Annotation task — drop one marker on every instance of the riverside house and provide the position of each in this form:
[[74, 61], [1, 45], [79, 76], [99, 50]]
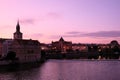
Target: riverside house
[[26, 50]]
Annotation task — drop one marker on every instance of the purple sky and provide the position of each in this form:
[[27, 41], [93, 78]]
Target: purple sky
[[79, 21]]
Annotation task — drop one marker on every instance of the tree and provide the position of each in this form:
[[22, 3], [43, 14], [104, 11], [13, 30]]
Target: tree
[[11, 56]]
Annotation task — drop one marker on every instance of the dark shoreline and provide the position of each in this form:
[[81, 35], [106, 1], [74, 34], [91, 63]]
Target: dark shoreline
[[88, 59], [20, 66]]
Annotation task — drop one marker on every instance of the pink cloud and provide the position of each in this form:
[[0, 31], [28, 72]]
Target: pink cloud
[[93, 34], [48, 16], [28, 21], [93, 37], [54, 15]]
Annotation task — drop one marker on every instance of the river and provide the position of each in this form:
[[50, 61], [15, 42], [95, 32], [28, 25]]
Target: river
[[68, 70]]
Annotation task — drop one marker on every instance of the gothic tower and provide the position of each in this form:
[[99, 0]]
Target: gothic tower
[[18, 34]]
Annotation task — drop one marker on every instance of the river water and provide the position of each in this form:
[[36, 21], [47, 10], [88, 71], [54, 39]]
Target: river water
[[68, 70]]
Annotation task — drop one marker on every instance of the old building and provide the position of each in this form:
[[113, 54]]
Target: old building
[[4, 45], [80, 47], [114, 43], [61, 45], [45, 47], [27, 50]]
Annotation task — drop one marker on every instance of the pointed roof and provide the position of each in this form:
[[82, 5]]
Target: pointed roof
[[18, 27], [61, 39]]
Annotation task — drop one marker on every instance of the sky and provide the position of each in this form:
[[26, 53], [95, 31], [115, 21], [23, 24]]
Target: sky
[[79, 21]]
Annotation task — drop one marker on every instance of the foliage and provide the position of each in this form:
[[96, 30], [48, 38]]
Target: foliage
[[11, 55]]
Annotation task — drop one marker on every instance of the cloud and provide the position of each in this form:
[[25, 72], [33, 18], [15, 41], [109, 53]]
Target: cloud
[[74, 32], [100, 34], [103, 34], [53, 15], [45, 17], [28, 21]]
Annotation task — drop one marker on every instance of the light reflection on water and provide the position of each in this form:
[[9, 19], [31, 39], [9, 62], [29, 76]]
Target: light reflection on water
[[68, 70]]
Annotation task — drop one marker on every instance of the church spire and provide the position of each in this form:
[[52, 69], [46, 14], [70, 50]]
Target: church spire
[[61, 39], [18, 27], [17, 34]]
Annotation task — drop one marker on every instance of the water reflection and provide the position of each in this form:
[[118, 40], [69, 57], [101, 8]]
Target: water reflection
[[68, 70]]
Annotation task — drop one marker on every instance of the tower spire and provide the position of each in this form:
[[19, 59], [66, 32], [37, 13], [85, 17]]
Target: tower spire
[[18, 27], [61, 39], [18, 34]]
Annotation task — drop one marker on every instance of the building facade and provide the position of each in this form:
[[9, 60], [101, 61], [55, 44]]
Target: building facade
[[61, 45], [4, 46], [25, 50], [80, 47]]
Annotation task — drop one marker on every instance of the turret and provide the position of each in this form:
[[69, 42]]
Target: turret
[[18, 34]]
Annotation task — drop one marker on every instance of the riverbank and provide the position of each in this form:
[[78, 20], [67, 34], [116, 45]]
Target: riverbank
[[85, 55], [17, 66]]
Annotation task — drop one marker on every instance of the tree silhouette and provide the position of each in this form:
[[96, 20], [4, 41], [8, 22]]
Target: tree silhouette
[[11, 56]]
